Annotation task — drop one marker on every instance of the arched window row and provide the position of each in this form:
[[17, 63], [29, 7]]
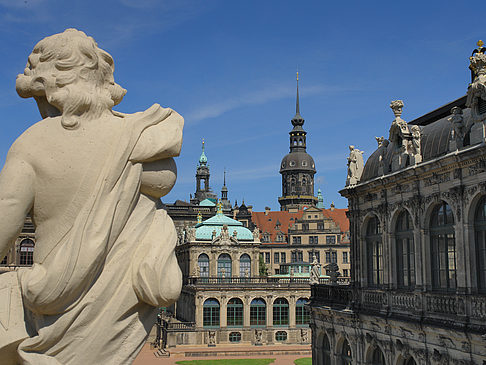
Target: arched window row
[[224, 265], [235, 309], [441, 248]]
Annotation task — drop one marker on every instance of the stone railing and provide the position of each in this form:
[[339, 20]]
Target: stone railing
[[252, 281], [180, 326], [444, 307], [332, 295]]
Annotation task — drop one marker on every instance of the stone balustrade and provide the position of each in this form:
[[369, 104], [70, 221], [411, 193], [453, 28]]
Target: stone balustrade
[[430, 306]]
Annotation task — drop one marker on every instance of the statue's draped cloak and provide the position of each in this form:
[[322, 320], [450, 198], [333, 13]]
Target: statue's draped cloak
[[111, 261]]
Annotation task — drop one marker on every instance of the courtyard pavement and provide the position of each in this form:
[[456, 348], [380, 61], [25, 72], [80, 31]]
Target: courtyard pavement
[[147, 357]]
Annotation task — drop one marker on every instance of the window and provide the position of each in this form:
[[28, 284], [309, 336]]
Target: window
[[345, 356], [305, 227], [26, 252], [234, 337], [480, 236], [234, 313], [330, 240], [405, 251], [276, 257], [345, 272], [314, 254], [203, 263], [313, 240], [211, 313], [320, 226], [345, 258], [443, 248], [374, 247], [328, 257], [302, 315], [280, 312], [296, 240], [297, 256], [334, 257], [245, 266], [283, 258], [266, 237], [326, 351], [258, 312], [224, 265], [267, 257], [280, 336], [377, 358]]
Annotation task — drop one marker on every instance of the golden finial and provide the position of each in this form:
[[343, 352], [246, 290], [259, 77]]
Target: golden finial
[[220, 207], [199, 217], [480, 43], [297, 75]]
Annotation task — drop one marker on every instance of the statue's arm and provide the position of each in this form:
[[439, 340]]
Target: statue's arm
[[160, 141], [16, 197]]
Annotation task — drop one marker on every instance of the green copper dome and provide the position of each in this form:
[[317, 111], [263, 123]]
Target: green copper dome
[[204, 230]]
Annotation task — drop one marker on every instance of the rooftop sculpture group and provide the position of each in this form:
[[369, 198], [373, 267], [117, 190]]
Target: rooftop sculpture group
[[91, 178]]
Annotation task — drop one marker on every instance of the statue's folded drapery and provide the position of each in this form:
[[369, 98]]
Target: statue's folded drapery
[[117, 226]]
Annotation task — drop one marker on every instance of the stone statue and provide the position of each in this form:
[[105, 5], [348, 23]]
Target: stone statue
[[223, 272], [355, 166], [92, 178], [213, 234], [458, 130], [212, 338], [224, 236], [380, 141], [414, 149], [303, 335], [247, 272], [315, 272], [258, 337]]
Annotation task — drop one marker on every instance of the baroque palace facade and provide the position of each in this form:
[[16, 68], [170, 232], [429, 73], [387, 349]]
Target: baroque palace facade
[[417, 212]]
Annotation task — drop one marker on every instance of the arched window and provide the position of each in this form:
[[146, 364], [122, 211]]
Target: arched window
[[211, 313], [374, 246], [443, 248], [224, 265], [326, 351], [377, 358], [234, 313], [203, 263], [302, 314], [26, 252], [280, 312], [245, 266], [405, 251], [300, 142], [345, 356], [480, 235], [258, 312], [409, 361]]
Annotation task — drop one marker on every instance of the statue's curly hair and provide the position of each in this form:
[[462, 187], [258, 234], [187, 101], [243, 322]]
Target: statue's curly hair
[[73, 58]]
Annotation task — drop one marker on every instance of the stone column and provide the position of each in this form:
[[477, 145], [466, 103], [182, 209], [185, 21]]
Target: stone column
[[223, 311], [461, 259], [269, 300], [213, 265], [419, 265], [199, 311], [292, 302], [246, 311]]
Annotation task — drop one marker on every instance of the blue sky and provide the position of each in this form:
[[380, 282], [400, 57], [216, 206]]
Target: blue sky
[[229, 68]]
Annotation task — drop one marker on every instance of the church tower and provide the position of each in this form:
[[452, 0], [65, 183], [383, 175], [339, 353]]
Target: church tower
[[203, 191], [297, 168]]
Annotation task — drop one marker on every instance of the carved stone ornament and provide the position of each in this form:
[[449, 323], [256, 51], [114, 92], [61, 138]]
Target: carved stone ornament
[[191, 234], [105, 260], [355, 166], [315, 272], [476, 93]]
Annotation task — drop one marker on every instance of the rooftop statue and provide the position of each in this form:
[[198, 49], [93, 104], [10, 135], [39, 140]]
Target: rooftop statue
[[92, 178], [355, 166]]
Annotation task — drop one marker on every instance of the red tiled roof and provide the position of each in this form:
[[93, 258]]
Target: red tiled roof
[[338, 216], [267, 222]]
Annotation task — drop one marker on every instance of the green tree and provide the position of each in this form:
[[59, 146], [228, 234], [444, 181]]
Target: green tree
[[263, 271]]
